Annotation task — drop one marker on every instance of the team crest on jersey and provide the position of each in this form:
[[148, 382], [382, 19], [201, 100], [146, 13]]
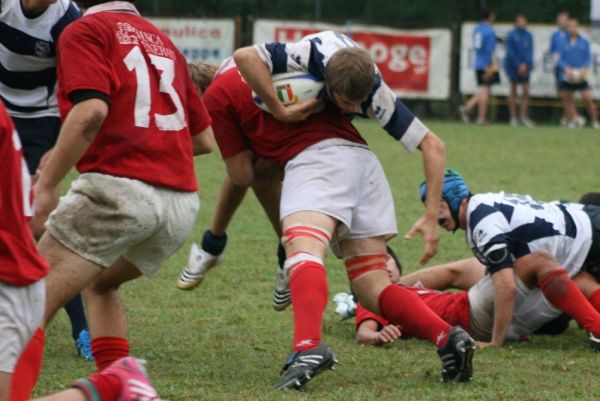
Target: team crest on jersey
[[41, 48], [286, 94]]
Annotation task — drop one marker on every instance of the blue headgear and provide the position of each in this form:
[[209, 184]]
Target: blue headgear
[[454, 191]]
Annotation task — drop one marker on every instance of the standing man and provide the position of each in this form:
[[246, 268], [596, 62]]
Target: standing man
[[28, 89], [132, 132], [526, 244], [574, 58], [486, 67], [518, 64]]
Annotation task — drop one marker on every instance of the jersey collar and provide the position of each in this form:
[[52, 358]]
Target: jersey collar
[[115, 6]]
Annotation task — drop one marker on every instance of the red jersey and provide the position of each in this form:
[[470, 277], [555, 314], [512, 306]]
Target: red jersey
[[154, 108], [452, 307], [20, 263], [239, 124]]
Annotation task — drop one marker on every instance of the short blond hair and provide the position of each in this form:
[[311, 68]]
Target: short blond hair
[[350, 72], [202, 74]]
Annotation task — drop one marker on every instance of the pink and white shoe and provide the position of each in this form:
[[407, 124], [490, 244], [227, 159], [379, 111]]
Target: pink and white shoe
[[135, 384]]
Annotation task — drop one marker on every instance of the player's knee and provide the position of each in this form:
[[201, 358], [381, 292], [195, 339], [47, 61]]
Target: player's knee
[[305, 237], [301, 260]]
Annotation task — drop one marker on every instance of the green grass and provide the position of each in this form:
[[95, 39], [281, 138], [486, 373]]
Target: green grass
[[223, 341]]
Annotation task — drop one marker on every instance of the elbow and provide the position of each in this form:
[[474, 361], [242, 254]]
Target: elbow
[[243, 55], [433, 145]]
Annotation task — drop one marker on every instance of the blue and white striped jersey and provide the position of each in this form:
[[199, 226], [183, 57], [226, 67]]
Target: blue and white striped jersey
[[521, 225], [312, 53], [28, 57]]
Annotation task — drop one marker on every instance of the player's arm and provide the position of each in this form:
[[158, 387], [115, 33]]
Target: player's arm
[[76, 134], [258, 75], [434, 159], [203, 142], [368, 333], [504, 304]]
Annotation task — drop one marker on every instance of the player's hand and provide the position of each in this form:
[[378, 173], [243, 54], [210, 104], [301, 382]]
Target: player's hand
[[428, 227], [42, 164], [389, 334], [296, 112], [45, 201], [484, 345]]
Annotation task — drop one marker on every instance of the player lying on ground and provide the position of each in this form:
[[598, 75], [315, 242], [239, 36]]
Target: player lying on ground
[[334, 190], [472, 307], [526, 244], [132, 131], [367, 98], [267, 188]]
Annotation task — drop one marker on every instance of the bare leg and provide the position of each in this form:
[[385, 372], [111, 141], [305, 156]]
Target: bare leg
[[5, 379], [69, 275], [512, 101], [267, 188], [484, 99], [567, 97], [461, 274], [66, 395], [586, 283], [590, 106], [472, 101], [105, 308], [230, 198], [525, 101]]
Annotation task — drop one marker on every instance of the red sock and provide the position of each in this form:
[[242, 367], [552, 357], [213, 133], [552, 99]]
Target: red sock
[[100, 387], [403, 307], [308, 287], [594, 299], [564, 294], [107, 350], [28, 368]]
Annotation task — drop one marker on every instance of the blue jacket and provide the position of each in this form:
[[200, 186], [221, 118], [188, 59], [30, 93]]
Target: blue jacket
[[484, 42], [519, 49], [574, 53], [557, 38]]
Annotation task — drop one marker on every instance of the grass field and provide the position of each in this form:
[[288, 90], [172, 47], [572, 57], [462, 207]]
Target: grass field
[[223, 341]]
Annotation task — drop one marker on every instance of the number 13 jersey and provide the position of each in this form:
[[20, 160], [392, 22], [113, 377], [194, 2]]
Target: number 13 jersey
[[154, 109]]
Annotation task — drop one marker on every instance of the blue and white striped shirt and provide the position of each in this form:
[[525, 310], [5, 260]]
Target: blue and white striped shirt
[[517, 223], [312, 53], [28, 57]]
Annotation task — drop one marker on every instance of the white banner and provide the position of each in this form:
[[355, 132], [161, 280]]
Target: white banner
[[414, 63], [209, 40], [542, 82]]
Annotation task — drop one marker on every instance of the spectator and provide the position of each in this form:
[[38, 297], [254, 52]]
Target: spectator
[[486, 68], [573, 64], [518, 64]]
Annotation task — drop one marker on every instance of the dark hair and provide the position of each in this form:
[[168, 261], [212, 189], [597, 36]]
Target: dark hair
[[392, 254], [486, 12], [520, 14], [591, 198], [91, 3]]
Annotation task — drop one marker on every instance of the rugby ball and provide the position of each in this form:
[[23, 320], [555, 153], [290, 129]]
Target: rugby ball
[[292, 88]]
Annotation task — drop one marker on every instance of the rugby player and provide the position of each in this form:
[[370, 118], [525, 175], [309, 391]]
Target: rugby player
[[526, 244], [325, 199], [132, 132], [355, 86]]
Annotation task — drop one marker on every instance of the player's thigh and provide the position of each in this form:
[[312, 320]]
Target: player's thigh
[[102, 216], [322, 179], [307, 231], [176, 215], [21, 313], [374, 214], [5, 379]]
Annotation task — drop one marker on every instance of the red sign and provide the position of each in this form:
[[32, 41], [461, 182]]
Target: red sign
[[402, 59]]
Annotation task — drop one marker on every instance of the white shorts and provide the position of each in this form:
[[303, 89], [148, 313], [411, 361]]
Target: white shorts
[[532, 310], [21, 313], [343, 180], [103, 217]]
